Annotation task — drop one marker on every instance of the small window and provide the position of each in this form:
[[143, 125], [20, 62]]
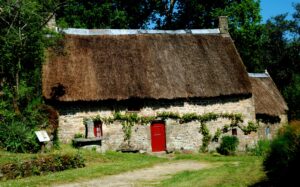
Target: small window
[[267, 131], [98, 129], [234, 132]]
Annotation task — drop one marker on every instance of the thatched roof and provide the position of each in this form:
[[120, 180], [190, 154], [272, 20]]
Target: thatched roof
[[156, 66], [267, 97]]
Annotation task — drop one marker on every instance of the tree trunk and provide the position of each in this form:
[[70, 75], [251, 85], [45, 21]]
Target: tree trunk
[[16, 95], [169, 13]]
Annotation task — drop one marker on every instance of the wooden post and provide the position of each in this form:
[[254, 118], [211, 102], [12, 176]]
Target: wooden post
[[43, 147]]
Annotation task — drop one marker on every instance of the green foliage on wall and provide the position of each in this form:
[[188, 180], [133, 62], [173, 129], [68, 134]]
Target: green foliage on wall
[[217, 135], [128, 120], [251, 127], [206, 137]]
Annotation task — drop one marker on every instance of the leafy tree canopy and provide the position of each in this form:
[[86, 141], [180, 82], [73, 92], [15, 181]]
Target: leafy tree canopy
[[105, 13], [22, 43], [282, 56]]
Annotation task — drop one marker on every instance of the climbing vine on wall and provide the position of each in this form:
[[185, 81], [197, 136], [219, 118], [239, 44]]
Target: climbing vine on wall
[[217, 135], [206, 137], [128, 120]]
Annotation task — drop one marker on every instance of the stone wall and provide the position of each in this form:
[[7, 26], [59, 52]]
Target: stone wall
[[178, 136], [273, 128]]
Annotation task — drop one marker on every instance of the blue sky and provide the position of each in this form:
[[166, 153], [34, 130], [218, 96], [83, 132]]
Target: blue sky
[[271, 8]]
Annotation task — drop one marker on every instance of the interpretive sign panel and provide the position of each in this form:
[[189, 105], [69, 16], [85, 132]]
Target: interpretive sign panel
[[42, 136]]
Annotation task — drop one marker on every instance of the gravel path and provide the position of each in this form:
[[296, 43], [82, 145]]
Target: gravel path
[[142, 177]]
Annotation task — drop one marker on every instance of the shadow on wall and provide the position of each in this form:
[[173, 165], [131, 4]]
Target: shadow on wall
[[132, 104], [268, 119], [57, 91]]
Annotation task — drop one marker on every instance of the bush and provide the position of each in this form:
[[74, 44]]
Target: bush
[[41, 165], [51, 125], [78, 135], [17, 130], [261, 148], [228, 145], [283, 161], [18, 137]]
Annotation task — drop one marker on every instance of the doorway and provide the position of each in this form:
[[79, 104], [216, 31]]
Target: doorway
[[158, 136]]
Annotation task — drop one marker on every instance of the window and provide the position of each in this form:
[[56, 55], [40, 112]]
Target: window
[[234, 132], [267, 131], [98, 129]]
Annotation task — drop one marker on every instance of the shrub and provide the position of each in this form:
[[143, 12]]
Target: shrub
[[41, 165], [283, 161], [17, 130], [78, 135], [228, 145], [261, 148], [18, 137], [51, 125]]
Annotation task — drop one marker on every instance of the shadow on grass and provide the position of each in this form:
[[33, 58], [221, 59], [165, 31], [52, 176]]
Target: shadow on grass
[[268, 183], [263, 183]]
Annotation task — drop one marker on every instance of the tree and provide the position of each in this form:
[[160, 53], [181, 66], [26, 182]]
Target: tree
[[106, 14], [22, 42], [23, 39], [282, 56]]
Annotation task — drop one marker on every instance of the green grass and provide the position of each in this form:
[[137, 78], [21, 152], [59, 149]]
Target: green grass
[[7, 157], [239, 170], [97, 165]]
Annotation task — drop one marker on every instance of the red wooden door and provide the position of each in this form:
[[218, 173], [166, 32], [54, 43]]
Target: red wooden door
[[158, 136]]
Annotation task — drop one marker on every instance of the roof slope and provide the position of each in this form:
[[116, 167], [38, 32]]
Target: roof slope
[[156, 66], [267, 97]]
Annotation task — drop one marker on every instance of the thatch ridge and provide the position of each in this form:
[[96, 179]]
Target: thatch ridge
[[267, 98], [157, 66]]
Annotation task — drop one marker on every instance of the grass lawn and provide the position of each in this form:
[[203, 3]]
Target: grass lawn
[[97, 165], [239, 170]]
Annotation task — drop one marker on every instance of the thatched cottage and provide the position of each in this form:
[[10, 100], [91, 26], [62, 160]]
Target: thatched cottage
[[154, 72], [270, 107]]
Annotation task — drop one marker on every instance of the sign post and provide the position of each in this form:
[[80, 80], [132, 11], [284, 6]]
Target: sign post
[[43, 137]]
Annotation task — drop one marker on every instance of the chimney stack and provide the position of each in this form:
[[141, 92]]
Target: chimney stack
[[52, 24], [223, 25]]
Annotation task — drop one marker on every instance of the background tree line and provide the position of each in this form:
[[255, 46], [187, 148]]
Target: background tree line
[[273, 45], [23, 39]]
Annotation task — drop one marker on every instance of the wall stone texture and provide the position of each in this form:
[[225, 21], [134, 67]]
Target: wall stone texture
[[178, 136], [273, 128]]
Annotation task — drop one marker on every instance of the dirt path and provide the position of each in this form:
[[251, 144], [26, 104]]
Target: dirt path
[[142, 177]]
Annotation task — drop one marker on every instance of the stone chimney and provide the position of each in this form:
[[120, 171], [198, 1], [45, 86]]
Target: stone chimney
[[266, 72], [52, 23], [223, 25]]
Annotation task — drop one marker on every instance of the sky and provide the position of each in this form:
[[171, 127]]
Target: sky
[[271, 8]]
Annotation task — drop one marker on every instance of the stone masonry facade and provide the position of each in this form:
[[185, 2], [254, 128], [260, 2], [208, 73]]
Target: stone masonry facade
[[269, 130], [178, 136]]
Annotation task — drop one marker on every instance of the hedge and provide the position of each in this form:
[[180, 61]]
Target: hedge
[[41, 165]]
